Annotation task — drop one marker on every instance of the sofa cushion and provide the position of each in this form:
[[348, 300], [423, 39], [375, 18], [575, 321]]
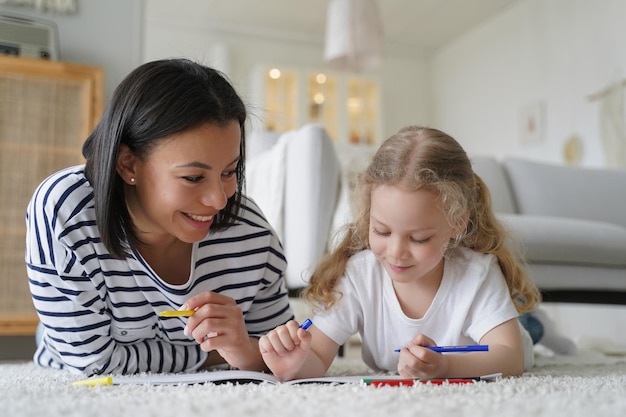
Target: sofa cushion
[[353, 159], [311, 188], [260, 141], [492, 173], [296, 183], [560, 240], [265, 181], [584, 193]]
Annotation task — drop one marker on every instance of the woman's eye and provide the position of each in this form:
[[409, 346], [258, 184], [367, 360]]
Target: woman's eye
[[229, 174], [415, 240], [194, 178], [379, 233]]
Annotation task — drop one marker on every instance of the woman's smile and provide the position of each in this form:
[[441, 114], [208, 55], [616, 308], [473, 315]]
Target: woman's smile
[[199, 222], [199, 218]]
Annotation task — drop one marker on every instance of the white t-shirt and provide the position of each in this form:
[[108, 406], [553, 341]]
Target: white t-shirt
[[472, 299]]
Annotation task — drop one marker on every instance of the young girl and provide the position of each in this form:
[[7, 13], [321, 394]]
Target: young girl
[[424, 263], [156, 220]]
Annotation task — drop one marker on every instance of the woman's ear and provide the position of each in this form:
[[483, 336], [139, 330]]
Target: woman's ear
[[126, 164]]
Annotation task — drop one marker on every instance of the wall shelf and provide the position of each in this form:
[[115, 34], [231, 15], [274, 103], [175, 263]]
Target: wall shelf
[[347, 105]]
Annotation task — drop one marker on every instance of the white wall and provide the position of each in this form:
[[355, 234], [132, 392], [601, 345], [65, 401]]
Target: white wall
[[552, 51], [102, 33], [239, 51], [555, 51]]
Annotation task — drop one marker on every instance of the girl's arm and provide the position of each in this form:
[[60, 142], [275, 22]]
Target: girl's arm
[[505, 355], [294, 353]]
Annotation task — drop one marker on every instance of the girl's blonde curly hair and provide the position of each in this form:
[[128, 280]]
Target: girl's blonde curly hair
[[423, 158]]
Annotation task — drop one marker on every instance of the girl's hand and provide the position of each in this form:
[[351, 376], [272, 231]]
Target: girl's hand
[[505, 356], [218, 324], [285, 349], [417, 361]]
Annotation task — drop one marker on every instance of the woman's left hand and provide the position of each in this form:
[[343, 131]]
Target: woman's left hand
[[218, 324]]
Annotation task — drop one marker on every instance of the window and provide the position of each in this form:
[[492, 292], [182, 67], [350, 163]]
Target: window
[[347, 106], [362, 109], [281, 110], [322, 102]]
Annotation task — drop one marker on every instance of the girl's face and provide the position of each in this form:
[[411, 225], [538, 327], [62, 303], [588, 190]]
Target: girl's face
[[408, 233], [183, 183]]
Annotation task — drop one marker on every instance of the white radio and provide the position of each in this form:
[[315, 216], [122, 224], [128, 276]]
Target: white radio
[[29, 37]]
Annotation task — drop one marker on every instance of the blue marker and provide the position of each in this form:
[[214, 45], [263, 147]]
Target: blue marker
[[445, 349], [306, 324]]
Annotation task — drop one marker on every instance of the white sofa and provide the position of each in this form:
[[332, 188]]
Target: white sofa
[[571, 222], [295, 179]]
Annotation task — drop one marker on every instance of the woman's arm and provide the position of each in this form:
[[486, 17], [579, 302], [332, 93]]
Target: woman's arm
[[79, 337], [86, 334]]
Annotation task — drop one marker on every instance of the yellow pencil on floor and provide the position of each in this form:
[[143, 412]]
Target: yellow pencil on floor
[[176, 313], [92, 382]]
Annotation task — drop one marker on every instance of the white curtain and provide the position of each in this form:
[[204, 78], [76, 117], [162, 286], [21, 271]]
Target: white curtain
[[613, 126]]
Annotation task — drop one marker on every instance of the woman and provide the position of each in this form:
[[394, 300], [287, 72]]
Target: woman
[[156, 220]]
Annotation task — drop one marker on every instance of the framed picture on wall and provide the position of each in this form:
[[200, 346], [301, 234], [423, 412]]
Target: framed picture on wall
[[532, 123]]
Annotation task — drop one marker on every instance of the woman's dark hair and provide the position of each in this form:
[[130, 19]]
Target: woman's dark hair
[[154, 101]]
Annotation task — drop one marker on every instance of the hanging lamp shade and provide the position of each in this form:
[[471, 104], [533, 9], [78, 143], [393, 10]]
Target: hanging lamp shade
[[354, 35]]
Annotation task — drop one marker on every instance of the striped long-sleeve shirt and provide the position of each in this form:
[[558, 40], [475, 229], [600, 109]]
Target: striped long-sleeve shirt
[[100, 313]]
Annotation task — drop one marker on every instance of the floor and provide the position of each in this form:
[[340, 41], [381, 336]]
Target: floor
[[17, 347], [590, 324]]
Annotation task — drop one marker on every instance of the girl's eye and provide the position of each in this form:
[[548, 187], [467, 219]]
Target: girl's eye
[[194, 179], [414, 240]]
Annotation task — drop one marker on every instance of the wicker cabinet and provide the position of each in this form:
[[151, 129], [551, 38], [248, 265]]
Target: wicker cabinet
[[47, 109]]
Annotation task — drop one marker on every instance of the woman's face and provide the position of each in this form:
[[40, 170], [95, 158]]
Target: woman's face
[[183, 183]]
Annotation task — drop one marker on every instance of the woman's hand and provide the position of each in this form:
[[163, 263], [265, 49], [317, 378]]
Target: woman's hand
[[285, 349], [218, 324], [417, 361]]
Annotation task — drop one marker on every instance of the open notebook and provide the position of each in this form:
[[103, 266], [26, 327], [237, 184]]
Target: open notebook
[[243, 377]]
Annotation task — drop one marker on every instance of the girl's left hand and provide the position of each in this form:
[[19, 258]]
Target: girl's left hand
[[218, 324], [416, 361]]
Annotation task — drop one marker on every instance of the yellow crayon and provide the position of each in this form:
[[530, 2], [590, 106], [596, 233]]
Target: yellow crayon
[[92, 382], [176, 313]]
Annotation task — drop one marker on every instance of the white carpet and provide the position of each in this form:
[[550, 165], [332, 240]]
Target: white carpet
[[589, 384]]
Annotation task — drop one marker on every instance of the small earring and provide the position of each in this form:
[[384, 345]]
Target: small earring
[[132, 179]]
